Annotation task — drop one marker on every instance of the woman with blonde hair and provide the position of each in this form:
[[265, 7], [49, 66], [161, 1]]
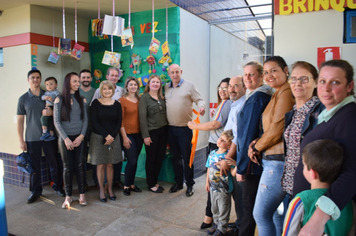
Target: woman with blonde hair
[[105, 145], [153, 125], [130, 132]]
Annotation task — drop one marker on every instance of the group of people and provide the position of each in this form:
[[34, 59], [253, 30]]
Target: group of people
[[95, 126], [292, 139]]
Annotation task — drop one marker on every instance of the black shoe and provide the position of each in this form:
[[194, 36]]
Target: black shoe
[[157, 191], [103, 199], [127, 191], [136, 189], [231, 225], [175, 188], [160, 187], [113, 198], [212, 230], [205, 225], [190, 191], [60, 193], [33, 197]]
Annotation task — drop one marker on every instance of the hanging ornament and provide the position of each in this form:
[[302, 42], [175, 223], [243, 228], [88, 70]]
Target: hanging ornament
[[151, 64], [136, 62]]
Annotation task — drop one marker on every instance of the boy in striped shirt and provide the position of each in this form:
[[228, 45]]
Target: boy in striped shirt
[[322, 161]]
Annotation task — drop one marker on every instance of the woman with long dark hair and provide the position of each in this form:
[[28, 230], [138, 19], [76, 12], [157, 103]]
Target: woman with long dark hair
[[71, 121]]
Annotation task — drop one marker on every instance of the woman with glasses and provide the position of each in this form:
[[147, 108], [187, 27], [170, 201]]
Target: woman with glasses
[[301, 120], [153, 125], [268, 150], [130, 132], [216, 127], [105, 145]]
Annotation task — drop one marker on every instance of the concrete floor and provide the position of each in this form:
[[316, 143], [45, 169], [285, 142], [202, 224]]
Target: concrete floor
[[143, 213]]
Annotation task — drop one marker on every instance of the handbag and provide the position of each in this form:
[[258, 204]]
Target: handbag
[[24, 164]]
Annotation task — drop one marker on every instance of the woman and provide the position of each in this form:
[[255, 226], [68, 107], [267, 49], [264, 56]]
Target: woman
[[301, 120], [71, 121], [269, 193], [336, 122], [258, 96], [105, 144], [153, 125], [216, 127], [130, 132]]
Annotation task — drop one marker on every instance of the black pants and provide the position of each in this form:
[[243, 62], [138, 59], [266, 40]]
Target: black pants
[[155, 154], [132, 156], [249, 191], [180, 143], [50, 149], [72, 158]]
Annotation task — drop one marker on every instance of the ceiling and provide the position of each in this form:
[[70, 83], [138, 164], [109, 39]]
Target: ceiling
[[249, 20]]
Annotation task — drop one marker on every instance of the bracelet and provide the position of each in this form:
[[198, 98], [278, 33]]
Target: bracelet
[[254, 148]]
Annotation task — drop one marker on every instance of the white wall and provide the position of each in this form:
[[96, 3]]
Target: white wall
[[226, 58], [297, 36], [194, 59]]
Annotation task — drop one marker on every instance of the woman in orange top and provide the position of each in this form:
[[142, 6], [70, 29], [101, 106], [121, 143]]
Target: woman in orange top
[[130, 132]]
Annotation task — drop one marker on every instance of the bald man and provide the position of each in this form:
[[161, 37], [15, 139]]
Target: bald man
[[180, 95]]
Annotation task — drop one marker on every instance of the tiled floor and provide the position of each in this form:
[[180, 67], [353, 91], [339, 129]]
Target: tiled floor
[[143, 213]]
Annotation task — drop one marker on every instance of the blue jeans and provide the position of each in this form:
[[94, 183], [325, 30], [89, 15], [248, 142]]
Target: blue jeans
[[180, 143], [269, 196], [132, 156]]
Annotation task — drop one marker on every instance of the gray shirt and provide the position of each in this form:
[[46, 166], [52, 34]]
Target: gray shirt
[[76, 125], [31, 106], [221, 115]]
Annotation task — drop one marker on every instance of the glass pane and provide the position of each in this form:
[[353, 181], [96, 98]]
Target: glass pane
[[353, 26]]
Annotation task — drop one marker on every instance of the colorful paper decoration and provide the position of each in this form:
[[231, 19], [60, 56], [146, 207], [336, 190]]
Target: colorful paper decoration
[[53, 56], [64, 46], [111, 59], [77, 51], [126, 38], [136, 62], [98, 75], [166, 59], [151, 64], [154, 46]]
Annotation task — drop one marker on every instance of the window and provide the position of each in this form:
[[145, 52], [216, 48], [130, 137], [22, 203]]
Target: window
[[350, 26]]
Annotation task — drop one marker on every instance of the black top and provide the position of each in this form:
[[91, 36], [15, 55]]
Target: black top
[[106, 119], [342, 129]]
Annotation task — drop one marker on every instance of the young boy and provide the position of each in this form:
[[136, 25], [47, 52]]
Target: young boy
[[218, 186], [322, 161], [47, 121]]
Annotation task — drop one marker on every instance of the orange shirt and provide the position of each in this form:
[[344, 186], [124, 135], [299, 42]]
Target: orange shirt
[[130, 118]]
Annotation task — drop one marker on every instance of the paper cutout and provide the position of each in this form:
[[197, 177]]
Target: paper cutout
[[154, 46], [111, 59], [126, 38], [53, 56], [64, 46], [97, 27], [77, 51], [135, 64], [113, 25], [98, 75]]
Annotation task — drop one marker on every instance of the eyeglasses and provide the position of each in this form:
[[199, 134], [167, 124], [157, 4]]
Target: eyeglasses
[[159, 105], [302, 79], [222, 89]]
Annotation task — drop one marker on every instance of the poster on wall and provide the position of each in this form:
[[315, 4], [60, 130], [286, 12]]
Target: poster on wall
[[328, 53], [141, 29]]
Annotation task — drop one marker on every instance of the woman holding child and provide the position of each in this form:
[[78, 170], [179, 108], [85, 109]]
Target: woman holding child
[[270, 145], [337, 122], [105, 145], [71, 121], [153, 125], [130, 132]]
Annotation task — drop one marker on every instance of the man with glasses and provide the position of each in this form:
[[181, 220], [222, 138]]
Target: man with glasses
[[180, 95], [30, 105]]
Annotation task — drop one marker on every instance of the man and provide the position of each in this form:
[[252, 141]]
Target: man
[[87, 91], [236, 91], [31, 105], [180, 95], [112, 74]]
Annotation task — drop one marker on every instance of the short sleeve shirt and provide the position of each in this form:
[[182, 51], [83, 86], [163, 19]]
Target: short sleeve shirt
[[221, 115], [31, 106]]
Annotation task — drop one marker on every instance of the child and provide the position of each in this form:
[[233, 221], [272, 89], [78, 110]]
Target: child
[[322, 161], [47, 121], [219, 185]]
